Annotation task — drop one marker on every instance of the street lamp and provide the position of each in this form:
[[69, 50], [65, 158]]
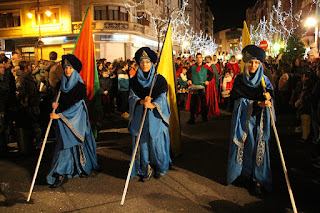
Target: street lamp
[[239, 56], [276, 47], [313, 22], [185, 44], [29, 15], [48, 13]]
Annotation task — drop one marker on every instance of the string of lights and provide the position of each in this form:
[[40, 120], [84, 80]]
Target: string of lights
[[180, 26], [280, 26]]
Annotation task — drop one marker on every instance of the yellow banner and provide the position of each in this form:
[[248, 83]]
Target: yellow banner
[[246, 40], [165, 68]]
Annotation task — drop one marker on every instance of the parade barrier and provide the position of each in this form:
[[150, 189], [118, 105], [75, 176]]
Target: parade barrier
[[285, 171], [42, 150]]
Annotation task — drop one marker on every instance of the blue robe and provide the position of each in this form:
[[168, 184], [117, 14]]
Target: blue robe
[[250, 134], [154, 145], [75, 151]]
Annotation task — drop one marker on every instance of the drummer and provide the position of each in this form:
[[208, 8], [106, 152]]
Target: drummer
[[183, 88], [199, 74]]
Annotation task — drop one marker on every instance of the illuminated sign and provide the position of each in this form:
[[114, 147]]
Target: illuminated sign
[[59, 40], [141, 42], [122, 38]]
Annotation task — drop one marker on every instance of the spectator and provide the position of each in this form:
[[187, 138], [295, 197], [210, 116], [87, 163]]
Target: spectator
[[123, 89], [316, 109], [7, 101], [133, 66], [284, 89], [105, 87], [304, 108], [29, 98], [55, 72], [178, 63]]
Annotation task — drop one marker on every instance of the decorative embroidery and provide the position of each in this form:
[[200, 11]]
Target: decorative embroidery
[[240, 144], [71, 127], [67, 63], [159, 110], [248, 54], [260, 152], [144, 54], [261, 143], [83, 159], [240, 154]]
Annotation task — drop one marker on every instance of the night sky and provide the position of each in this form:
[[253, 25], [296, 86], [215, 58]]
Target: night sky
[[228, 14]]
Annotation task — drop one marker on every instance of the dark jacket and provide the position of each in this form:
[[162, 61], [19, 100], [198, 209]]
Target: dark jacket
[[7, 91], [55, 74], [105, 84]]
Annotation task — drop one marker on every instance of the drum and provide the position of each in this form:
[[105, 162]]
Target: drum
[[225, 93], [195, 88]]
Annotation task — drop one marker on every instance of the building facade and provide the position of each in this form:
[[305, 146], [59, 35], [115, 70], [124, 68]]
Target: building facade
[[228, 41], [207, 18], [117, 34]]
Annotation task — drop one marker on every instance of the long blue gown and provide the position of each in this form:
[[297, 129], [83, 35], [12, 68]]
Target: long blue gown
[[250, 134], [154, 145], [75, 151]]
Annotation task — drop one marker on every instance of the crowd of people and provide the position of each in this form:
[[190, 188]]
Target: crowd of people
[[205, 84], [26, 94]]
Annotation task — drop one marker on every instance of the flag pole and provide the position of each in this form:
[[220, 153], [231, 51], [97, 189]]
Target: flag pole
[[281, 153], [41, 152], [141, 127]]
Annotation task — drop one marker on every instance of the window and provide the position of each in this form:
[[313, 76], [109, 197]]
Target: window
[[123, 14], [28, 53], [10, 19], [145, 18], [113, 13]]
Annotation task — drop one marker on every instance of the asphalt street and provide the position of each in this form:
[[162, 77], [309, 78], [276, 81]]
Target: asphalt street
[[196, 183]]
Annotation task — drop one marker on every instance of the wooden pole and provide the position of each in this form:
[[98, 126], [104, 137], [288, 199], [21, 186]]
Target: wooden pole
[[280, 152], [41, 152], [136, 146], [283, 162]]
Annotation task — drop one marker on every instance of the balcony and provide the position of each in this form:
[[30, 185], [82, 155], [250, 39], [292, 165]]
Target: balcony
[[111, 26]]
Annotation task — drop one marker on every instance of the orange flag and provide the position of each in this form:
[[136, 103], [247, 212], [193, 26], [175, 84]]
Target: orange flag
[[84, 50]]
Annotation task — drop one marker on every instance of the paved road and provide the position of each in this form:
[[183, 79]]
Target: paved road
[[195, 184]]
